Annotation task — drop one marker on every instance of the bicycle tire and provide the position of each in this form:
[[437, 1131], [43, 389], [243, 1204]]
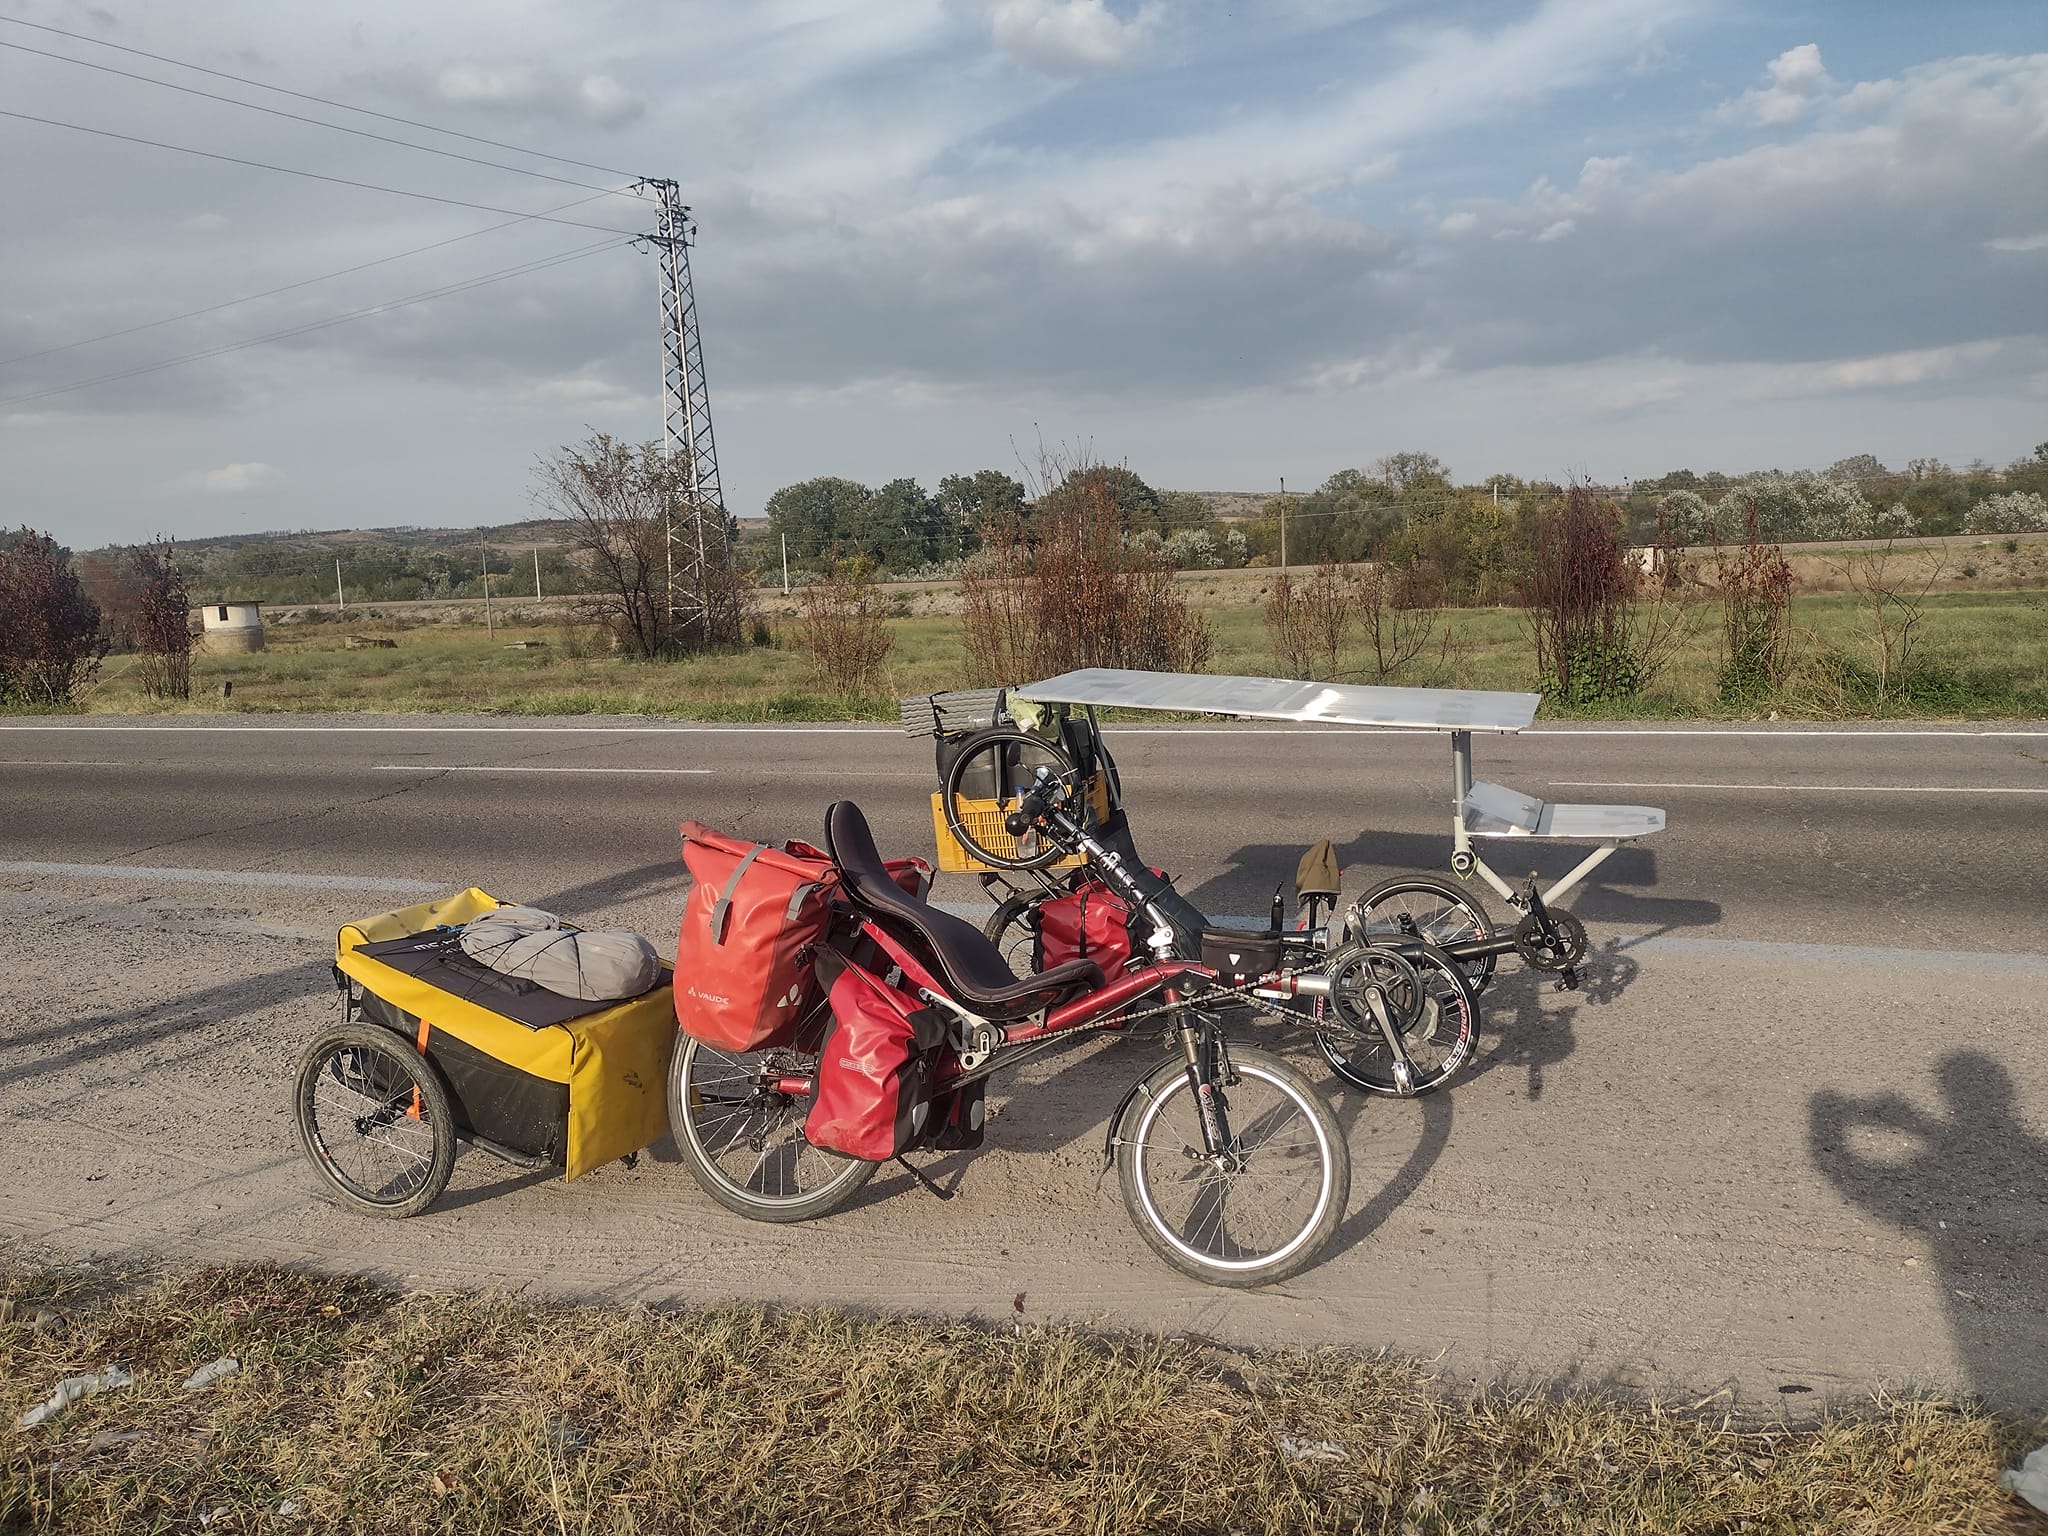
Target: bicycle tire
[[949, 795], [1012, 928], [1165, 1097], [704, 1080], [1448, 1016], [374, 1082], [1450, 915]]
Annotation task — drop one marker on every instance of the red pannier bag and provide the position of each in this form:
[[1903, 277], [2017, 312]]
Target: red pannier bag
[[873, 1095], [1089, 922], [754, 913]]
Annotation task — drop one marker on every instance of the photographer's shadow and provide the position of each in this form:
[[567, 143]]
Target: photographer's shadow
[[1968, 1180]]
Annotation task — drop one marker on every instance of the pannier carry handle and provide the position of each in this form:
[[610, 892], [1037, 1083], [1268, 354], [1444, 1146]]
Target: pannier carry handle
[[720, 912]]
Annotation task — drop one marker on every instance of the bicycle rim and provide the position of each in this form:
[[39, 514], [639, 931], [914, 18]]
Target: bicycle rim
[[753, 1142], [371, 1124], [1256, 1214]]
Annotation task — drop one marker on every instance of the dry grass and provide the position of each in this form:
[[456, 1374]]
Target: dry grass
[[1986, 650], [362, 1410]]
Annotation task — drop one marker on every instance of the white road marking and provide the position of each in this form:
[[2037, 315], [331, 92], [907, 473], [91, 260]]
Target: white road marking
[[68, 762], [1861, 955], [512, 768], [1247, 729], [262, 877], [1839, 789], [477, 730]]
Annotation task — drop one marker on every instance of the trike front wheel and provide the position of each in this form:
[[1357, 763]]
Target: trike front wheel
[[1260, 1210], [743, 1139]]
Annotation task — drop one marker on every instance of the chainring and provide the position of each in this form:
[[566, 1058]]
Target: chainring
[[1561, 953], [1357, 966]]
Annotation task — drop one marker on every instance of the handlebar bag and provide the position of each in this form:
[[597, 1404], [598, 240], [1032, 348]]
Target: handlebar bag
[[1089, 922], [873, 1095], [754, 914]]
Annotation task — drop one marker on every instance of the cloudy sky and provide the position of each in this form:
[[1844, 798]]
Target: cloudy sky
[[1225, 241]]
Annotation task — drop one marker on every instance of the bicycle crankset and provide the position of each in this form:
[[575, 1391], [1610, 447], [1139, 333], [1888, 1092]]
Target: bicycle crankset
[[1356, 968], [1550, 939]]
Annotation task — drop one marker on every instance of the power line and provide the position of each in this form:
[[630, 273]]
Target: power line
[[339, 181], [268, 293], [298, 117], [539, 265], [319, 100]]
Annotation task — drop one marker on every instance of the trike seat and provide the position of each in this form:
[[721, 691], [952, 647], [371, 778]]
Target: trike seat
[[973, 968], [1494, 810]]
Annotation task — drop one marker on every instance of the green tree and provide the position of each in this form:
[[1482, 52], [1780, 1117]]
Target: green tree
[[1409, 471], [821, 517], [899, 527], [971, 502]]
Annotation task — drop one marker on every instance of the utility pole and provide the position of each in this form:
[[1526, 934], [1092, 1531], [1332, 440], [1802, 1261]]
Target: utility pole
[[340, 601], [490, 629], [700, 589], [1283, 525], [785, 565], [536, 573]]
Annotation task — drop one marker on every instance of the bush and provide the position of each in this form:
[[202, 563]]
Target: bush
[[50, 639], [1756, 598], [1580, 590], [842, 628], [1073, 587], [161, 622], [2012, 512]]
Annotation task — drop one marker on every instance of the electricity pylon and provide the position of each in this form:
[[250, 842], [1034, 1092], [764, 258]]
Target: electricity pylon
[[703, 606]]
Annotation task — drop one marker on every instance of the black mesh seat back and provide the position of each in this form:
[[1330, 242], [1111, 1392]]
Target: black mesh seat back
[[966, 956]]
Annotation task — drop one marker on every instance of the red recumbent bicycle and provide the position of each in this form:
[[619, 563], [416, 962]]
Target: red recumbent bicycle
[[1232, 1166]]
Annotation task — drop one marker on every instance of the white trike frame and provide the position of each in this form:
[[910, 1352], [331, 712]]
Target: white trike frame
[[1479, 808]]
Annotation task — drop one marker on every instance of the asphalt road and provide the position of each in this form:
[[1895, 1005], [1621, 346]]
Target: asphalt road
[[1793, 1133]]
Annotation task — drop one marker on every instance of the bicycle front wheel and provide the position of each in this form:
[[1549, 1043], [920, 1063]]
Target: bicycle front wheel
[[743, 1139], [1263, 1208]]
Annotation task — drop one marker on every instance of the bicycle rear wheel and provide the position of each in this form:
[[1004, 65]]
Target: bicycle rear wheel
[[744, 1140], [1013, 928], [1264, 1208], [1435, 1011], [375, 1120], [1424, 907]]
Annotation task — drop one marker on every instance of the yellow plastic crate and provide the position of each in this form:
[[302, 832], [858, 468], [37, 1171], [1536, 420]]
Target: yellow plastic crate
[[984, 820]]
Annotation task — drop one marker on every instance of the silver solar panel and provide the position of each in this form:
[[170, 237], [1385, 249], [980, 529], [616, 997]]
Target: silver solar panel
[[1277, 698]]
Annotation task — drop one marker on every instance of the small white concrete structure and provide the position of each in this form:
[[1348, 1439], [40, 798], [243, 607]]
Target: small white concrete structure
[[231, 627]]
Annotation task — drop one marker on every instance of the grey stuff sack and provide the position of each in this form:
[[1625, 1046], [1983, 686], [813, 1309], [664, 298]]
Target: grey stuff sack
[[601, 965]]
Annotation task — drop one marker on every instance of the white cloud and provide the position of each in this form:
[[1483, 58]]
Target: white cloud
[[233, 479], [1556, 231], [1796, 80], [1889, 370], [1068, 37], [2034, 242], [594, 98]]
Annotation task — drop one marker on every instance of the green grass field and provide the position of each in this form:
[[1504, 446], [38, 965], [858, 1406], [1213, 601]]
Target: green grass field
[[1984, 655]]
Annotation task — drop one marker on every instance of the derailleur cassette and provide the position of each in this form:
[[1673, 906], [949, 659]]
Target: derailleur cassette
[[1561, 949]]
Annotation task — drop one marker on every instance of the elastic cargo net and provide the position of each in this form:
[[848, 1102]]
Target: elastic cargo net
[[580, 1082]]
